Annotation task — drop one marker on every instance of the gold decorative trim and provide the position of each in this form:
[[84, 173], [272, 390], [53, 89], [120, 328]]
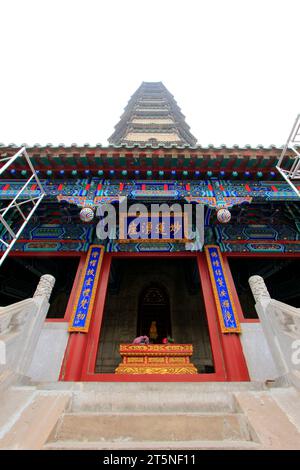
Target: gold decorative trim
[[156, 350], [124, 369], [156, 359]]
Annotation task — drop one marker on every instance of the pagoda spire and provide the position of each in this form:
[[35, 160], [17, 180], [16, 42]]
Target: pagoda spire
[[152, 116]]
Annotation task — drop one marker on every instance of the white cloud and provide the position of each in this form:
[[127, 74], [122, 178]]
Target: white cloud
[[69, 67]]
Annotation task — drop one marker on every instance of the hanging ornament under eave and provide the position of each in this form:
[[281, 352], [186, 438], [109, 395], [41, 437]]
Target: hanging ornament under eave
[[86, 214], [223, 216]]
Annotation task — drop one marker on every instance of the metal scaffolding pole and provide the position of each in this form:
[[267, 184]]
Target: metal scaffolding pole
[[9, 234], [292, 172]]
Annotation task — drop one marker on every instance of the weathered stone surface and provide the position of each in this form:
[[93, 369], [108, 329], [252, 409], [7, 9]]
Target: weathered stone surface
[[20, 327], [13, 402], [269, 422], [153, 445], [151, 415], [258, 288], [281, 327], [35, 423], [288, 399], [49, 352], [155, 397], [45, 286], [257, 353], [145, 427]]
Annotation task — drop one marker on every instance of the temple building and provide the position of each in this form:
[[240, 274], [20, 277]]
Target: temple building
[[165, 296]]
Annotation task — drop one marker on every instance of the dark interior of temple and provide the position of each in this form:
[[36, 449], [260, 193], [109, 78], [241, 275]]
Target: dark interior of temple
[[157, 297], [20, 275], [281, 275]]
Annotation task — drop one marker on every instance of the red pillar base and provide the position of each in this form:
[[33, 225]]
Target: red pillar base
[[73, 361], [236, 367]]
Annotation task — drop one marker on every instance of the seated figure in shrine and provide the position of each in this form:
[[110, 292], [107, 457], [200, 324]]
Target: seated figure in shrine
[[153, 335]]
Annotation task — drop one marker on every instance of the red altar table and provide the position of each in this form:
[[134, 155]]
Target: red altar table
[[156, 359]]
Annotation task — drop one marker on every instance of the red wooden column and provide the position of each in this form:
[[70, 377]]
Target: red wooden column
[[231, 341], [73, 363], [212, 321], [91, 351], [236, 366], [234, 360], [74, 356]]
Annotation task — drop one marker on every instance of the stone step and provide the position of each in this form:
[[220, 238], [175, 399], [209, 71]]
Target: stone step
[[153, 445], [134, 387], [13, 402], [35, 421], [141, 427], [152, 397], [274, 416], [151, 402]]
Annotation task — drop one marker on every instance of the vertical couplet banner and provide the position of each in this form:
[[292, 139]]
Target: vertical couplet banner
[[227, 314], [84, 303]]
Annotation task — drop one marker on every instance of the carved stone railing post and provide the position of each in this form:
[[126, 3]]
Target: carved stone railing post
[[281, 326], [259, 288], [45, 286]]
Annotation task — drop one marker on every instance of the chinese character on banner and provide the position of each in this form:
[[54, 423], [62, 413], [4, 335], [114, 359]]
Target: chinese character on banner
[[176, 227], [161, 228], [83, 307], [132, 229], [228, 318], [146, 228]]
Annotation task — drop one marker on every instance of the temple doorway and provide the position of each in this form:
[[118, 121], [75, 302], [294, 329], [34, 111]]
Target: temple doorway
[[154, 318], [157, 297]]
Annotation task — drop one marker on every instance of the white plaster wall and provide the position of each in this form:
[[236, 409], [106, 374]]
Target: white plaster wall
[[260, 363], [49, 353]]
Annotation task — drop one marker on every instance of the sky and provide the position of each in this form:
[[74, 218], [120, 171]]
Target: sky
[[69, 67]]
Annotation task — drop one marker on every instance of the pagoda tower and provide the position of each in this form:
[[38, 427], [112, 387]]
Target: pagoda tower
[[152, 116]]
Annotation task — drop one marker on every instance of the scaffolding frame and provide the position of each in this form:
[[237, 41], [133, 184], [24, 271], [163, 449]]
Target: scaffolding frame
[[293, 143], [19, 202]]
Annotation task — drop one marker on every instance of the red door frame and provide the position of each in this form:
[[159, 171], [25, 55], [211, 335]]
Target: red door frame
[[81, 353]]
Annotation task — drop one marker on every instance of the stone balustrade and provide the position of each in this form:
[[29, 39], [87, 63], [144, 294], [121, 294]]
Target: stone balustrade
[[20, 327], [281, 326]]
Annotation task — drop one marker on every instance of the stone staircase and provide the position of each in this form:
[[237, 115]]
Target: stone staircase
[[148, 416], [143, 415], [165, 416], [129, 416]]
